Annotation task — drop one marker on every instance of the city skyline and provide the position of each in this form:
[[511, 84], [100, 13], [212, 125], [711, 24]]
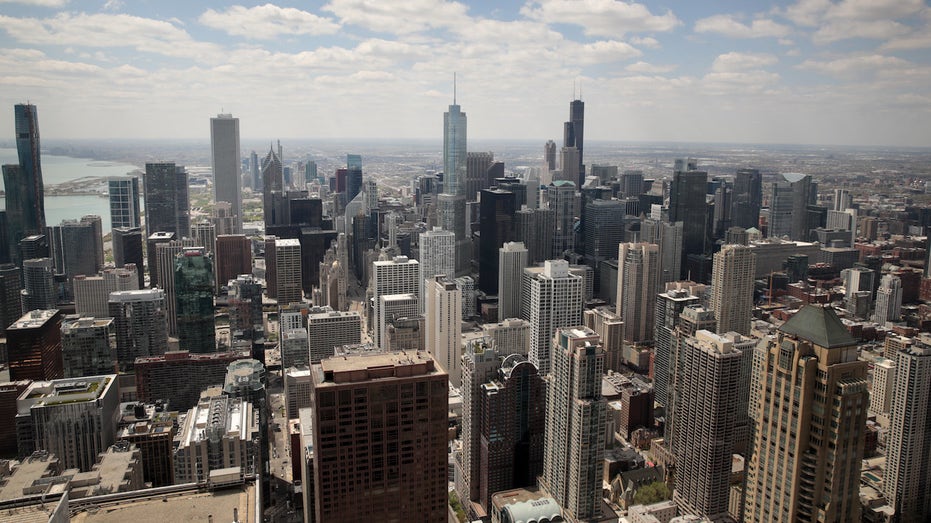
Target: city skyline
[[808, 72]]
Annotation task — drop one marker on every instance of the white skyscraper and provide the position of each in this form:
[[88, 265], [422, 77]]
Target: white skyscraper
[[573, 458], [881, 388], [637, 286], [888, 300], [908, 447], [400, 275], [551, 297], [225, 160], [512, 259], [732, 288], [708, 408], [444, 325], [437, 255]]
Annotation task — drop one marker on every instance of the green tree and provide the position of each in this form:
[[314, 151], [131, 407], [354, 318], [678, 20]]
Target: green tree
[[652, 493], [457, 506]]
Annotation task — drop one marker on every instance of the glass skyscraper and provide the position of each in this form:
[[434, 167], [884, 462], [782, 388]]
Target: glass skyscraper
[[227, 165], [454, 149], [167, 208], [25, 195], [194, 298]]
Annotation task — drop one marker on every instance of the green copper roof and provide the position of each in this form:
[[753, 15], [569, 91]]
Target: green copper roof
[[819, 325]]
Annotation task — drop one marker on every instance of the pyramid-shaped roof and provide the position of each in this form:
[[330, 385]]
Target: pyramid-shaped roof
[[819, 325]]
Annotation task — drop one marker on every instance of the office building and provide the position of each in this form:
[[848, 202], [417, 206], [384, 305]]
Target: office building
[[551, 297], [669, 306], [74, 419], [139, 324], [151, 249], [512, 259], [353, 176], [882, 386], [219, 432], [35, 246], [124, 202], [88, 346], [194, 300], [637, 285], [233, 257], [809, 410], [568, 166], [34, 346], [888, 300], [788, 206], [908, 445], [166, 255], [167, 204], [454, 149], [11, 287], [245, 306], [496, 226], [508, 336], [610, 329], [398, 464], [395, 308], [77, 248], [534, 228], [227, 165], [151, 428], [443, 323], [710, 380], [204, 233], [668, 237], [272, 188], [293, 345], [400, 275], [575, 424], [179, 377], [603, 230], [330, 329], [39, 291], [406, 334], [437, 254], [297, 390], [687, 205], [127, 250], [287, 280], [748, 198], [91, 293], [25, 209], [477, 179], [574, 136], [732, 288], [563, 200]]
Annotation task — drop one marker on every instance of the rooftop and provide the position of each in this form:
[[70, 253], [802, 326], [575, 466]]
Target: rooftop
[[819, 325], [358, 367], [192, 506], [33, 319]]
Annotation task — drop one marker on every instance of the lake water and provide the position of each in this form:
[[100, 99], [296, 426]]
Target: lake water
[[59, 169]]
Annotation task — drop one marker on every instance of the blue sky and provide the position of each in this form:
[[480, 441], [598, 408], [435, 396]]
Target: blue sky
[[807, 71]]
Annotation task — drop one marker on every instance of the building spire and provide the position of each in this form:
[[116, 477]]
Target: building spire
[[454, 88]]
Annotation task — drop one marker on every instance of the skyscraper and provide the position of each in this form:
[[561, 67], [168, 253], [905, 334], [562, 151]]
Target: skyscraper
[[25, 207], [127, 249], [272, 187], [710, 381], [398, 464], [562, 199], [908, 447], [329, 329], [496, 226], [687, 205], [512, 259], [167, 205], [39, 290], [194, 297], [668, 236], [788, 206], [748, 198], [732, 288], [287, 279], [88, 347], [477, 165], [809, 412], [227, 164], [11, 286], [549, 155], [139, 324], [574, 134], [637, 285], [669, 305], [124, 202], [575, 424], [443, 322], [165, 257], [233, 257], [353, 176], [551, 297], [454, 149], [34, 346], [437, 254], [888, 300], [400, 275], [603, 230]]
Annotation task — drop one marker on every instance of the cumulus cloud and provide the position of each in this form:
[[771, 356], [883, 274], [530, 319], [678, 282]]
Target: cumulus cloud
[[398, 16], [644, 67], [737, 62], [601, 17], [38, 3], [645, 41], [267, 21], [728, 25], [854, 64]]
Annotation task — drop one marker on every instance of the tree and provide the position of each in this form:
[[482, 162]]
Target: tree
[[652, 493]]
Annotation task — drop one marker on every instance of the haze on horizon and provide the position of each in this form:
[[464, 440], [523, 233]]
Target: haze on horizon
[[845, 72]]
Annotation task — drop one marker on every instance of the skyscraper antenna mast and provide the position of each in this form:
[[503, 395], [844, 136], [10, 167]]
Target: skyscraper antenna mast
[[454, 88]]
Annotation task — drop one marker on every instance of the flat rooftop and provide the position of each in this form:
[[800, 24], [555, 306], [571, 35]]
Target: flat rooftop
[[193, 506], [364, 367]]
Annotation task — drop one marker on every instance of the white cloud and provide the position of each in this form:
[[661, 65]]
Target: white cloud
[[875, 9], [738, 62], [843, 29], [854, 64], [644, 67], [38, 3], [728, 25], [267, 21], [398, 16], [108, 30], [601, 17], [917, 40], [645, 41]]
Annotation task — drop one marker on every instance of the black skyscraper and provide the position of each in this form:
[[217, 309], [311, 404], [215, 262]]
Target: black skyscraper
[[127, 248], [496, 226], [748, 198], [574, 134], [167, 207], [25, 206], [687, 205]]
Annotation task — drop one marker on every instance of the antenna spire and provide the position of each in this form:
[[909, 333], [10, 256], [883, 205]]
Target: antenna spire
[[454, 88]]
